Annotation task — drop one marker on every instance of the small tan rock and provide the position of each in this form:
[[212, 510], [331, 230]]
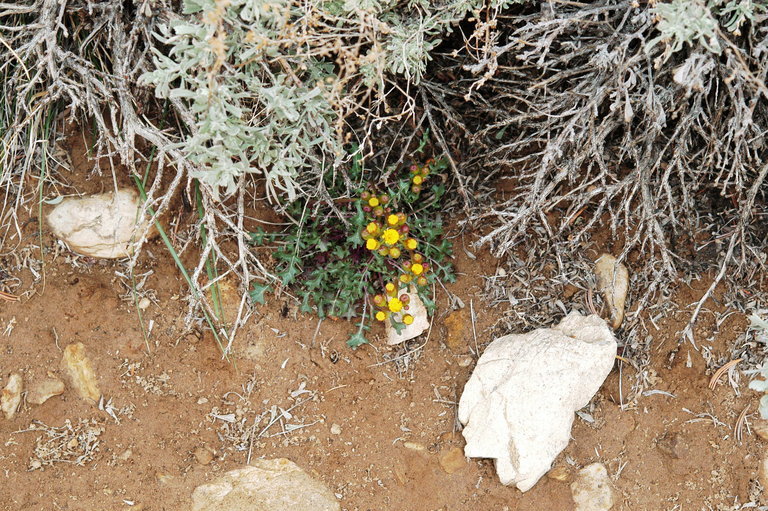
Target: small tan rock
[[559, 473], [613, 283], [415, 446], [164, 479], [465, 360], [79, 368], [760, 427], [11, 395], [203, 455], [101, 225], [762, 472], [266, 485], [42, 391], [591, 490], [453, 460]]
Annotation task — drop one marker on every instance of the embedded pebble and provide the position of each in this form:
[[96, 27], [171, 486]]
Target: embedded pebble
[[144, 303], [465, 360], [265, 485], [415, 446], [79, 368], [453, 460], [11, 395], [203, 455], [760, 427], [335, 429], [762, 472], [672, 444], [42, 391], [202, 400], [591, 490]]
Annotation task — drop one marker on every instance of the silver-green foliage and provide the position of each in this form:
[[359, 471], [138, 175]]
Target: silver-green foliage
[[247, 119], [270, 84], [696, 21]]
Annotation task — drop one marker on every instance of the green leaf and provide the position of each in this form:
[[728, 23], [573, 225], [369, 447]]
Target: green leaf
[[257, 293], [356, 339]]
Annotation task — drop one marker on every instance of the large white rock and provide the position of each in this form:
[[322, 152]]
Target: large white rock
[[102, 225], [265, 485], [518, 405]]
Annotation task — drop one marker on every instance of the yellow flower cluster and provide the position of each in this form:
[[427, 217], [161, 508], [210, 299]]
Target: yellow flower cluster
[[390, 303], [388, 236]]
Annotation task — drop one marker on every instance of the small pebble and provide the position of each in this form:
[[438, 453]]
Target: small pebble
[[453, 460], [335, 429], [415, 446], [202, 401], [144, 303], [559, 473], [10, 398], [465, 360], [591, 490], [44, 390], [203, 455], [760, 427]]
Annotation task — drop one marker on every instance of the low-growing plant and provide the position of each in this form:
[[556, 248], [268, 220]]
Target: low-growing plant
[[390, 239]]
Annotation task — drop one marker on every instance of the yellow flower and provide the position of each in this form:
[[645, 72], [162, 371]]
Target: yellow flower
[[390, 236], [407, 319], [381, 315], [405, 278], [372, 227], [392, 219], [394, 252], [411, 244], [373, 202], [372, 244], [395, 305], [390, 287], [417, 269], [417, 180]]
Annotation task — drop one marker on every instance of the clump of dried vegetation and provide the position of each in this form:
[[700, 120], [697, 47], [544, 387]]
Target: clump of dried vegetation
[[649, 118]]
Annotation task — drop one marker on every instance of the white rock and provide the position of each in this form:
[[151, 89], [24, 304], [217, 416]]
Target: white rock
[[10, 398], [266, 485], [102, 225], [591, 490], [613, 284], [518, 405], [420, 323]]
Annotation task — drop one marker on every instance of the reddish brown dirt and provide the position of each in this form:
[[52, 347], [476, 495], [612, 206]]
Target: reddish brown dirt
[[377, 410], [394, 427]]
